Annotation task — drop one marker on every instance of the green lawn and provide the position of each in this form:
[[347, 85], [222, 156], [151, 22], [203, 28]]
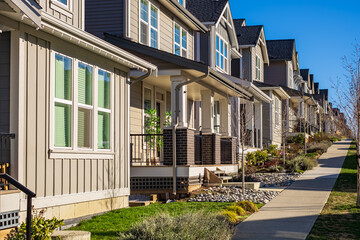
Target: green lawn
[[340, 218], [108, 225]]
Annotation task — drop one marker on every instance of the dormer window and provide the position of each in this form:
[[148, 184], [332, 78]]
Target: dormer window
[[148, 24], [180, 41], [221, 54]]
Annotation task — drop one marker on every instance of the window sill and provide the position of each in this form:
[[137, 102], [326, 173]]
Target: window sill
[[80, 154]]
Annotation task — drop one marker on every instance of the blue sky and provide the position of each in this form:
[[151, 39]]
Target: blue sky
[[325, 31]]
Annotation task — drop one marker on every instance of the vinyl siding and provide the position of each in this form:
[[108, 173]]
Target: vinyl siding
[[136, 109], [277, 130], [246, 64], [5, 82], [105, 17], [257, 51], [73, 16], [276, 73], [45, 173]]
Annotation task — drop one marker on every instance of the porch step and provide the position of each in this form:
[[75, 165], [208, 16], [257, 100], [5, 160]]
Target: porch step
[[218, 172], [142, 200], [217, 176], [225, 178], [139, 203]]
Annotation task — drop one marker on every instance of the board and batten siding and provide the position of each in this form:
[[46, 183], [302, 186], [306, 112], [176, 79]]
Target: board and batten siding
[[108, 16], [136, 111], [5, 82], [72, 15], [257, 51], [52, 174]]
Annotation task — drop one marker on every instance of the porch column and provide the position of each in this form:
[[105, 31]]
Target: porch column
[[207, 109], [258, 124], [250, 121], [225, 117], [182, 100]]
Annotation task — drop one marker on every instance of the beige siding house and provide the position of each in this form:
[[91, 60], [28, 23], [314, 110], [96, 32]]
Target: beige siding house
[[69, 111]]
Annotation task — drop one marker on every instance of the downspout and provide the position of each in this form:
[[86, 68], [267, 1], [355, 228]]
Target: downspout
[[142, 77], [175, 125]]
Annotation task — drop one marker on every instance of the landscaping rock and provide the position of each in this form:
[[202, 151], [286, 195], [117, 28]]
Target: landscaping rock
[[273, 179], [234, 194]]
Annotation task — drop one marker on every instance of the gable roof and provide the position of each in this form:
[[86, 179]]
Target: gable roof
[[281, 49], [248, 35], [305, 73], [206, 10], [240, 22]]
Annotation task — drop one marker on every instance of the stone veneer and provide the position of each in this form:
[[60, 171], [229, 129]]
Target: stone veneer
[[211, 150], [185, 146]]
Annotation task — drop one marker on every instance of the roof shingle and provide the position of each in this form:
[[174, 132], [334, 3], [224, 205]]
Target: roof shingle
[[281, 49], [305, 74], [206, 10], [247, 35]]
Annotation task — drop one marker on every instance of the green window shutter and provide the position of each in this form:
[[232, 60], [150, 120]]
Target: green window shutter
[[104, 89], [85, 84], [62, 125], [103, 130], [84, 128], [63, 77]]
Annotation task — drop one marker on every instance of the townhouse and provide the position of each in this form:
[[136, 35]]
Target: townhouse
[[65, 107], [192, 88]]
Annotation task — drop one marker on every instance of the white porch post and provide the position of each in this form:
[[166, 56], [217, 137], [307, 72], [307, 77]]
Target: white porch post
[[182, 101], [250, 120], [225, 117], [258, 124], [207, 108]]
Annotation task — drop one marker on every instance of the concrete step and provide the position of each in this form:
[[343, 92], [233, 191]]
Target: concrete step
[[248, 185], [139, 203], [218, 172], [225, 178]]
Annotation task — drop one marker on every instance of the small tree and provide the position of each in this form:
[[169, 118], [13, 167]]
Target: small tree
[[348, 100]]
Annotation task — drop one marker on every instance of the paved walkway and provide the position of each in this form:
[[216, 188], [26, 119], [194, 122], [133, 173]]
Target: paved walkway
[[292, 214]]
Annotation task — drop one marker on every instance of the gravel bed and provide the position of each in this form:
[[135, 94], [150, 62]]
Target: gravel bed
[[273, 179], [234, 194]]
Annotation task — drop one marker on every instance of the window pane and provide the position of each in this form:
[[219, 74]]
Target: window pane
[[221, 47], [143, 33], [62, 125], [144, 10], [222, 62], [217, 59], [154, 16], [181, 2], [63, 77], [85, 84], [84, 128], [147, 99], [177, 50], [184, 39], [62, 1], [217, 43], [153, 38], [183, 53], [103, 130], [177, 34], [104, 89], [225, 48]]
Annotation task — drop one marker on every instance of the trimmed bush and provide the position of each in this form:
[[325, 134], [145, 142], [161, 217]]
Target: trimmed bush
[[237, 209], [248, 206], [189, 226]]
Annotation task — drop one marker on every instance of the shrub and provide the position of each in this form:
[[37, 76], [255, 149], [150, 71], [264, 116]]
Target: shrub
[[302, 163], [276, 168], [271, 163], [322, 136], [41, 228], [250, 158], [231, 216], [320, 147], [261, 156], [272, 149], [189, 226], [237, 209], [300, 138], [248, 206]]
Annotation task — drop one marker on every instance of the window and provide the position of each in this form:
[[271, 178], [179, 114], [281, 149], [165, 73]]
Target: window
[[182, 2], [65, 2], [78, 109], [180, 41], [258, 67], [148, 32], [221, 54], [277, 112]]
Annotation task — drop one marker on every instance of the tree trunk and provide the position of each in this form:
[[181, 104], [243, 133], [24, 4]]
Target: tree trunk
[[358, 173], [243, 168]]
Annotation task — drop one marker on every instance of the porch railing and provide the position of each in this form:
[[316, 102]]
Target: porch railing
[[146, 149], [5, 157]]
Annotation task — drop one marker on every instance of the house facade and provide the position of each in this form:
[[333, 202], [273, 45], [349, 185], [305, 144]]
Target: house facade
[[67, 111], [189, 97]]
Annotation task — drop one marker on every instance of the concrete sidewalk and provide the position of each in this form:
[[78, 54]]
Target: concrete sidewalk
[[292, 214]]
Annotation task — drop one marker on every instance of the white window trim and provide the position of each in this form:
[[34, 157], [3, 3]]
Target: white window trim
[[149, 24], [63, 8], [226, 59], [258, 68], [184, 1], [74, 107], [277, 112], [181, 35]]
